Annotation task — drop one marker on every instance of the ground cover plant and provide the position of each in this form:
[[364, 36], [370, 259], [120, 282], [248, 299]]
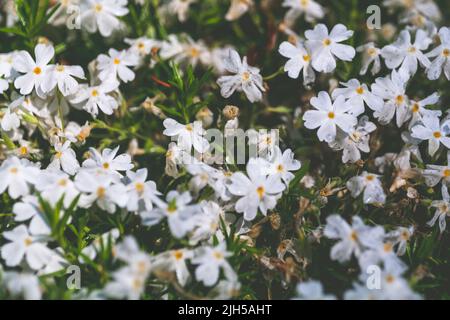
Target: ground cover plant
[[235, 149]]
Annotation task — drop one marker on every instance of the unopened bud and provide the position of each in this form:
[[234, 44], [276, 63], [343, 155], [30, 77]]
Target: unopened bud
[[230, 112]]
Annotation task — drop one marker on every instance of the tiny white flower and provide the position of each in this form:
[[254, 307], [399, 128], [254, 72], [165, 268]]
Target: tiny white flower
[[329, 115], [180, 8], [34, 71], [142, 46], [325, 46], [441, 55], [407, 55], [442, 209], [433, 174], [23, 245], [299, 59], [171, 47], [108, 162], [54, 184], [392, 90], [210, 260], [400, 238], [98, 97], [6, 64], [17, 175], [371, 54], [371, 185], [418, 110], [310, 8], [177, 211], [207, 222], [126, 284], [353, 239], [4, 85], [65, 158], [256, 191], [425, 7], [358, 95], [63, 77], [117, 65], [432, 130], [100, 190], [141, 193], [188, 136], [238, 8], [11, 120], [102, 15], [379, 252], [312, 290], [174, 261], [282, 163], [195, 52], [355, 141], [29, 209], [25, 285], [245, 78]]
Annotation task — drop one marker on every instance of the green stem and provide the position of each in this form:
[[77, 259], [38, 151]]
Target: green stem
[[275, 74]]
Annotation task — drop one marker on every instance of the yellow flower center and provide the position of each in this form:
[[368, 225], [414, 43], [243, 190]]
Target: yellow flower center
[[60, 68], [405, 235], [58, 155], [415, 108], [105, 165], [331, 115], [306, 58], [194, 52], [360, 90], [13, 170], [446, 53], [172, 208], [23, 150], [218, 255], [399, 99], [189, 127], [62, 182], [370, 177], [354, 236], [304, 3], [446, 173], [412, 49], [116, 61], [437, 134], [260, 191], [387, 247], [94, 93], [137, 284], [178, 254], [37, 71], [326, 42], [372, 51], [98, 7], [280, 168], [28, 241], [390, 278], [101, 192], [139, 187], [245, 76], [141, 266]]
